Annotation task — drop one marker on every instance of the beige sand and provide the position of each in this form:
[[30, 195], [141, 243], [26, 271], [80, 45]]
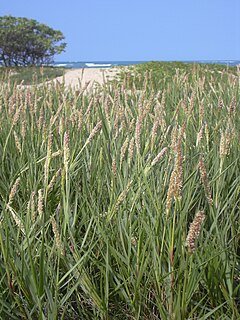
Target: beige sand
[[79, 78]]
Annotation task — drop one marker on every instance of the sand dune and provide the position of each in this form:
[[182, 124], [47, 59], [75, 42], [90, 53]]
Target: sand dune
[[78, 78]]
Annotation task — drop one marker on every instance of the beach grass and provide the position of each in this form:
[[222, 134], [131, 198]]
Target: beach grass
[[123, 203], [29, 75]]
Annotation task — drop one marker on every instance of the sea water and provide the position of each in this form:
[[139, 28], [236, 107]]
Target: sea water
[[94, 64], [109, 64]]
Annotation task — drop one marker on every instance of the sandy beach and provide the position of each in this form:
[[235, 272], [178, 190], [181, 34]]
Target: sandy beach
[[79, 78]]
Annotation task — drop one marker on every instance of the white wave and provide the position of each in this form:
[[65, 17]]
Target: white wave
[[90, 64], [61, 65]]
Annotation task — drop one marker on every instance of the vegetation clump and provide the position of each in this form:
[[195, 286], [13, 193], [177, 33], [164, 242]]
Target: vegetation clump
[[30, 75], [122, 203], [26, 42]]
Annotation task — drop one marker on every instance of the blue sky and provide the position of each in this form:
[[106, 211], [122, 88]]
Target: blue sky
[[135, 30]]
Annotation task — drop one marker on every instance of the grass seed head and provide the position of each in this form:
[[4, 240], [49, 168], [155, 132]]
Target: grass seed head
[[61, 125], [123, 150], [178, 168], [122, 196], [200, 136], [159, 156], [66, 150], [131, 149], [114, 168], [154, 133], [16, 116], [95, 130], [194, 231], [31, 206], [138, 134], [40, 119], [23, 129], [48, 157], [80, 120], [171, 190], [205, 181], [13, 191], [54, 179], [17, 142], [40, 203], [57, 236]]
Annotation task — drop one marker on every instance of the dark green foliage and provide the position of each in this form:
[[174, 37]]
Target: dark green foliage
[[25, 42]]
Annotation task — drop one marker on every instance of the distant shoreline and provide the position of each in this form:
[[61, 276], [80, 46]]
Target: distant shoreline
[[110, 64]]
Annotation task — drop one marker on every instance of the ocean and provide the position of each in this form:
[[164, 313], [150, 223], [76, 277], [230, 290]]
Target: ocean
[[94, 64], [109, 64]]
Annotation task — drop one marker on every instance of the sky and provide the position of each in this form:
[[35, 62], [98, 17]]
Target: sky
[[138, 30]]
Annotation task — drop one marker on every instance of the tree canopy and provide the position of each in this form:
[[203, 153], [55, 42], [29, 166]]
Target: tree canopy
[[25, 42]]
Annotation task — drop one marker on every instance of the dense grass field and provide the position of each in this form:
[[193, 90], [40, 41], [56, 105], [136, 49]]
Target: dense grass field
[[29, 75], [123, 203]]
